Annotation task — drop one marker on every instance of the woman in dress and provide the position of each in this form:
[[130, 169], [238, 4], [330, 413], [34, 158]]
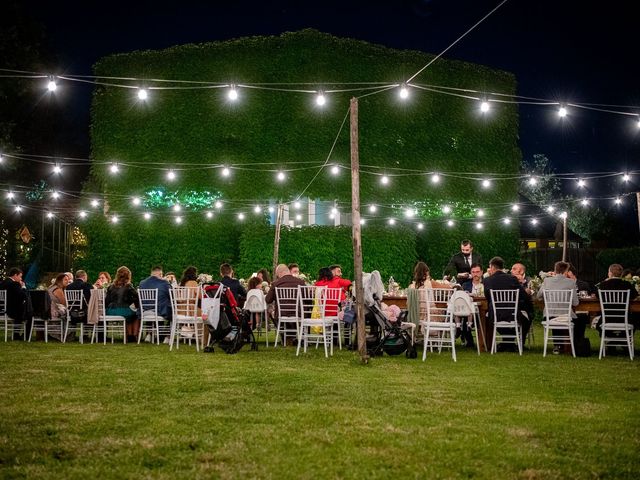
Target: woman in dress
[[103, 281], [122, 300], [58, 304], [422, 281]]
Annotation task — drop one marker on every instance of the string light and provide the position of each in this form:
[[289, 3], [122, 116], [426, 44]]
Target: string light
[[178, 220], [484, 107], [409, 213], [562, 112], [404, 92], [332, 216], [506, 220], [435, 178], [618, 201], [392, 221], [226, 172], [135, 201], [257, 209], [49, 215], [532, 181], [114, 219], [335, 170], [550, 209], [218, 204], [584, 202], [147, 216], [18, 208], [82, 214], [57, 169], [114, 168], [373, 208], [241, 216], [271, 209], [534, 221], [334, 211], [450, 223], [171, 175], [581, 183], [446, 209], [563, 215], [55, 195], [94, 203], [298, 217], [320, 99], [281, 176], [420, 226], [480, 213], [52, 85], [232, 94], [177, 207], [486, 183], [626, 177], [362, 221], [515, 207], [142, 94], [479, 225], [10, 195], [384, 180], [209, 214]]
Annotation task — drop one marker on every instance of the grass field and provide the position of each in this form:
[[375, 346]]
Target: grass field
[[116, 411]]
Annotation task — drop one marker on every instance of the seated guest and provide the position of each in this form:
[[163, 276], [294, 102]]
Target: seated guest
[[583, 286], [264, 276], [498, 280], [17, 298], [560, 281], [284, 279], [294, 269], [345, 284], [627, 274], [474, 285], [226, 272], [155, 281], [614, 281], [121, 299], [519, 271], [58, 305], [171, 278], [422, 281], [103, 281], [326, 279], [189, 277], [254, 287]]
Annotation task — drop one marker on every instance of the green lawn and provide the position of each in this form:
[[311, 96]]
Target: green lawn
[[116, 411]]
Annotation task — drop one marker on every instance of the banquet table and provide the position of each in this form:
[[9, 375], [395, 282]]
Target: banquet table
[[590, 304]]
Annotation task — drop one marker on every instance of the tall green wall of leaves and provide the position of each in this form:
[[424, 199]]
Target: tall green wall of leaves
[[264, 128]]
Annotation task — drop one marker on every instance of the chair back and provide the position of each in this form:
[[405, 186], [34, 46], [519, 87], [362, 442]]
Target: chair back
[[287, 302], [3, 303], [558, 304], [255, 302], [437, 300], [74, 300], [460, 304], [148, 301], [614, 305], [101, 295], [312, 301], [184, 301], [332, 299], [504, 304]]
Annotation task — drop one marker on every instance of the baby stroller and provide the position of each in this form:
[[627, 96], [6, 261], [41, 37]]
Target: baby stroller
[[228, 325], [383, 336]]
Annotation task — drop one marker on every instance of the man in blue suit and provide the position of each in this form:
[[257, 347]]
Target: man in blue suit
[[155, 280]]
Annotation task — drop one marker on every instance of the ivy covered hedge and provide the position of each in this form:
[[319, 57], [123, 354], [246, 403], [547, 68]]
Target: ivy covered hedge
[[263, 129]]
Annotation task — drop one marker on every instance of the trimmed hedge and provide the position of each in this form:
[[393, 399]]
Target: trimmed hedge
[[627, 257]]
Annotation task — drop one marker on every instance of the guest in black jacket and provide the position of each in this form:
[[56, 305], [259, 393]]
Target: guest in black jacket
[[462, 261], [499, 280], [614, 281], [81, 283], [239, 292], [17, 298]]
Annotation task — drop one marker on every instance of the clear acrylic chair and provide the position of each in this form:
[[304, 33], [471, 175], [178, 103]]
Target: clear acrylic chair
[[558, 306], [504, 304], [288, 314], [614, 305], [438, 321]]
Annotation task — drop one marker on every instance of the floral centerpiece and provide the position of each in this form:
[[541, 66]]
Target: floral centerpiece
[[304, 277], [635, 281], [536, 281], [265, 287], [204, 278], [243, 282]]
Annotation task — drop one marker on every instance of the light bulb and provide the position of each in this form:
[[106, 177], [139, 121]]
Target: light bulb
[[362, 221], [486, 183], [479, 225], [534, 221], [281, 176], [18, 208], [409, 213], [297, 205], [94, 203], [57, 169], [114, 168], [320, 99], [373, 208], [484, 107], [82, 214], [271, 209], [581, 183], [449, 223], [114, 219], [618, 201], [562, 112], [142, 94], [533, 181], [435, 178], [506, 221], [55, 195], [515, 207], [257, 209], [584, 202], [10, 195], [178, 220], [446, 209], [241, 216], [233, 94], [563, 215], [626, 177], [218, 204], [177, 207], [384, 180], [392, 221], [49, 215], [136, 201], [171, 175], [335, 170], [404, 92], [209, 214], [550, 208], [420, 226], [52, 85], [481, 213], [298, 217], [147, 215], [226, 172]]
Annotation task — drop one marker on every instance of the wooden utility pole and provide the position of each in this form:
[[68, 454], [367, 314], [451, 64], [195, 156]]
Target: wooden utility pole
[[276, 239], [355, 230], [564, 237]]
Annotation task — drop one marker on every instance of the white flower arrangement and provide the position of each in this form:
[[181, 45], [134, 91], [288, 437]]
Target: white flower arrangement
[[204, 278]]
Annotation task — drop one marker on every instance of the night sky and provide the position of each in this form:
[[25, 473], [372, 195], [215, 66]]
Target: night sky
[[565, 50]]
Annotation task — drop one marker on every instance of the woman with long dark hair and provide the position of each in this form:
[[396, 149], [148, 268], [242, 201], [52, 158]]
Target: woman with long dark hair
[[121, 300]]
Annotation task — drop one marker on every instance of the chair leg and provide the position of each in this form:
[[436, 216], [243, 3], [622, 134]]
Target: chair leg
[[426, 341], [573, 349], [30, 330], [546, 340], [452, 332], [493, 342], [602, 342]]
